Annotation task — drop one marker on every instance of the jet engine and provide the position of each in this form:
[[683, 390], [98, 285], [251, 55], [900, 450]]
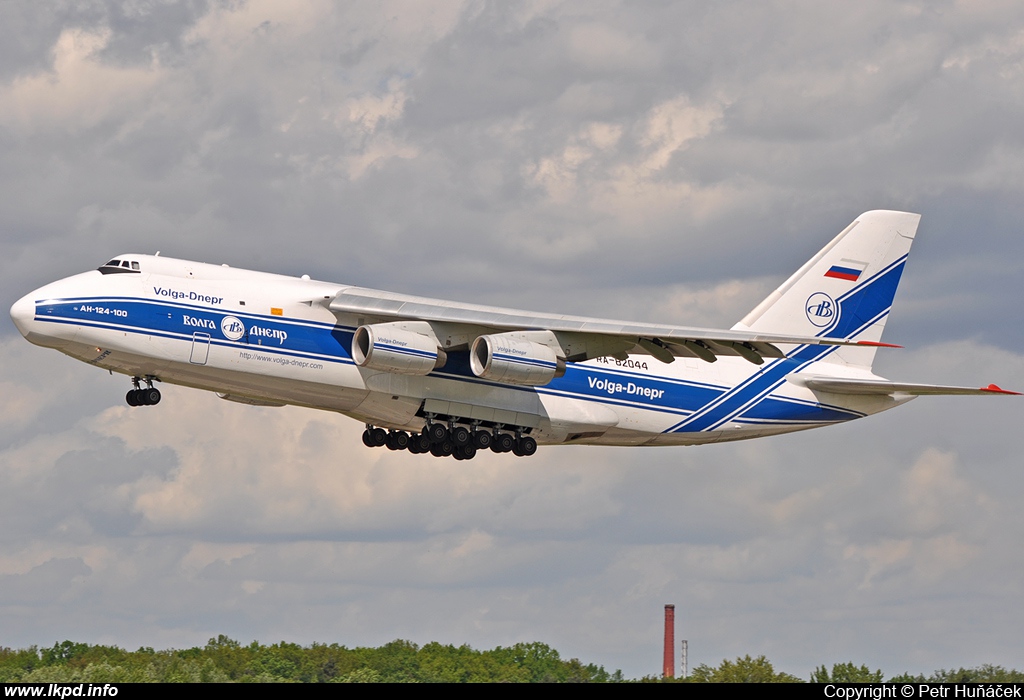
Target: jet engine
[[390, 348], [511, 360]]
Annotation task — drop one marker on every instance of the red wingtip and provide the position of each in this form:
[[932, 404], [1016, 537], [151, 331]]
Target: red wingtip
[[873, 344], [996, 390]]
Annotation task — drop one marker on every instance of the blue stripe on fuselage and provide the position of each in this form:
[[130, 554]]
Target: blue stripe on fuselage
[[269, 333]]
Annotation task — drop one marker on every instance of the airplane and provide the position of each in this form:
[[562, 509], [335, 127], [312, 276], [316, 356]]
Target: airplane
[[450, 379]]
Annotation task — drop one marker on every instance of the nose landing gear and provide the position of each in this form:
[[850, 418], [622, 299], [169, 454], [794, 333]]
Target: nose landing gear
[[148, 396]]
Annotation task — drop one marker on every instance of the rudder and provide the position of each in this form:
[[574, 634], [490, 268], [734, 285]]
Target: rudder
[[846, 290]]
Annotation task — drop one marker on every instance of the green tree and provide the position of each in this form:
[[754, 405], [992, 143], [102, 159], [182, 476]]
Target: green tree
[[541, 663], [745, 670], [986, 673], [62, 652], [14, 663], [228, 655], [361, 675], [273, 663], [846, 673]]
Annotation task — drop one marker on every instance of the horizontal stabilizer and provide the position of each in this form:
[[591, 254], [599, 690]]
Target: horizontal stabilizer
[[881, 387]]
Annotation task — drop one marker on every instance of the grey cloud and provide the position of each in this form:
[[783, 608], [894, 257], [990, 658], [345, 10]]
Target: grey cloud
[[42, 584], [144, 27], [83, 493], [29, 31]]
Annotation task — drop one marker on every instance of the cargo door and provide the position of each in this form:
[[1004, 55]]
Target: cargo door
[[200, 348]]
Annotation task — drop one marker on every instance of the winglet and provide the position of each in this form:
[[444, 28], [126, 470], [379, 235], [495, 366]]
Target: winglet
[[996, 390], [875, 344]]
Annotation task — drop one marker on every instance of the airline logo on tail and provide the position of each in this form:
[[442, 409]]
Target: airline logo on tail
[[821, 310]]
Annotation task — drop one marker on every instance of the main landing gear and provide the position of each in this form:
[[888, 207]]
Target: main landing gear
[[452, 440], [148, 396]]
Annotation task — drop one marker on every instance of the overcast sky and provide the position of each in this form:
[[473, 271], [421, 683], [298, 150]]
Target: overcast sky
[[669, 162]]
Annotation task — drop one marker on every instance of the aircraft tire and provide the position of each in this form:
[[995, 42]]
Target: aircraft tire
[[391, 443], [437, 433], [367, 440], [422, 443], [468, 451], [442, 449], [460, 437], [482, 439], [527, 446], [150, 397], [130, 398], [378, 436], [414, 444], [503, 443]]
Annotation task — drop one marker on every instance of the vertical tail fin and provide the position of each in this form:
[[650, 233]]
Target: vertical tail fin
[[846, 290]]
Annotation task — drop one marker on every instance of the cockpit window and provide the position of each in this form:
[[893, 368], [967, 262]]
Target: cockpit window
[[116, 266]]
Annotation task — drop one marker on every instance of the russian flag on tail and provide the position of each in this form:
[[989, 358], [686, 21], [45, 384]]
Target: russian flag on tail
[[849, 270]]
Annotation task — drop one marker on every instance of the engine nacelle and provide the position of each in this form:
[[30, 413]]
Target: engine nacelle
[[390, 348], [503, 358]]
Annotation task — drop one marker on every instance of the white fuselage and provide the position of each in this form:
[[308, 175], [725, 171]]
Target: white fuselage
[[272, 340]]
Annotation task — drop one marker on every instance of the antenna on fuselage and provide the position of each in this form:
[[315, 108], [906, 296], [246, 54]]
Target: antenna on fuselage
[[157, 254]]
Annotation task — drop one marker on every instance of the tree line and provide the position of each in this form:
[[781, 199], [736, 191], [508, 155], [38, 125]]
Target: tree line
[[760, 670], [226, 660]]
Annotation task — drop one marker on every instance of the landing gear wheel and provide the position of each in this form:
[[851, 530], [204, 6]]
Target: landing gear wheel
[[437, 433], [367, 439], [465, 452], [442, 449], [525, 446], [459, 436], [422, 443], [397, 440], [482, 439], [143, 397], [378, 436], [503, 442]]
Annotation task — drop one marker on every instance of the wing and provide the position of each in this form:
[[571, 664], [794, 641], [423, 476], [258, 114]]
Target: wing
[[881, 387], [583, 338]]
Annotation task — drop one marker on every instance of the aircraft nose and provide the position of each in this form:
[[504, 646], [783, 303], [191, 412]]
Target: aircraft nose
[[22, 313]]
